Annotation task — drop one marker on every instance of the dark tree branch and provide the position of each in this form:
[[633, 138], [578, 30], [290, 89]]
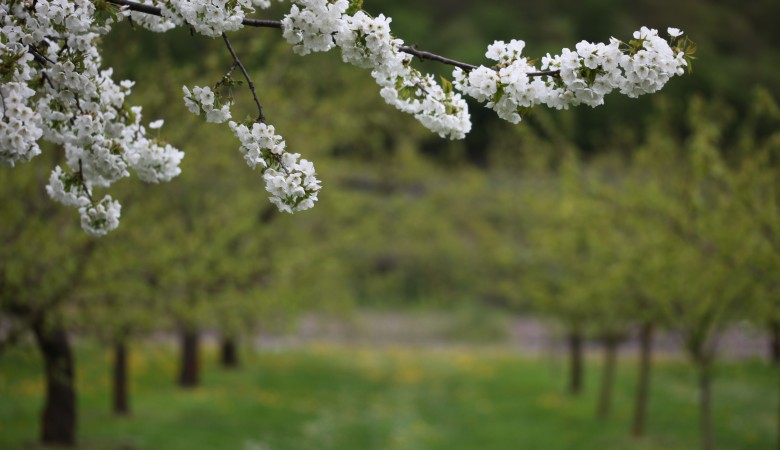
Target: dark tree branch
[[39, 58], [412, 50], [262, 23], [423, 55], [260, 116], [156, 11]]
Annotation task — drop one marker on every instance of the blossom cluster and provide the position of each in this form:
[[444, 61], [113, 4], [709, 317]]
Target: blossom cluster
[[310, 27], [365, 41], [203, 99], [291, 181], [20, 127], [583, 76], [52, 45], [510, 87], [210, 18]]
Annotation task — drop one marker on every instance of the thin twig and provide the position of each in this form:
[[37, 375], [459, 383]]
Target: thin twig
[[544, 73], [412, 50], [226, 77], [39, 58], [2, 97], [260, 116], [83, 182], [46, 78]]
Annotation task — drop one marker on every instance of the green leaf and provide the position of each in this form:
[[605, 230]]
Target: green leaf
[[354, 7], [446, 85]]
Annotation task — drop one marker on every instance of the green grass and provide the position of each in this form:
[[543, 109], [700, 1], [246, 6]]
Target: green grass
[[348, 398]]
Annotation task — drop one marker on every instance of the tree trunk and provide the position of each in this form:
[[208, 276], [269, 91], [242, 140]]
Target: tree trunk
[[190, 364], [608, 377], [774, 342], [58, 421], [121, 381], [229, 352], [705, 405], [576, 362], [643, 384], [778, 417]]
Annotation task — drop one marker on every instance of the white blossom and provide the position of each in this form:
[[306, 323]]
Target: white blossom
[[291, 181], [583, 76], [203, 100], [311, 24], [56, 89], [674, 32], [156, 124], [100, 218]]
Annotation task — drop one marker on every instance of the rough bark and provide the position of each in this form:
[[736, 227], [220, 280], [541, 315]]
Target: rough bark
[[121, 398], [229, 352], [608, 377], [58, 420], [189, 369], [576, 369], [643, 383]]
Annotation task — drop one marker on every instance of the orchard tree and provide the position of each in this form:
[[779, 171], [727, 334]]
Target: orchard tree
[[699, 244], [42, 263], [750, 245], [122, 309], [564, 273]]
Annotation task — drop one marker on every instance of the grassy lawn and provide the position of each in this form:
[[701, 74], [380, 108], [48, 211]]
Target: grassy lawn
[[394, 398]]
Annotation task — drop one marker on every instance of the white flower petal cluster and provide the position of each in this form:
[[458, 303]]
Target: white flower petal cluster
[[202, 100], [98, 218], [150, 22], [310, 27], [583, 76], [20, 127], [443, 112], [152, 161], [367, 42], [67, 189], [51, 45], [292, 181], [207, 17]]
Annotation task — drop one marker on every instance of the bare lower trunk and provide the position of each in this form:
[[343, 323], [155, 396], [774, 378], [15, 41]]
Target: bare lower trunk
[[643, 384], [774, 342], [58, 421], [608, 377], [190, 363], [777, 444], [705, 405], [121, 382], [229, 352], [576, 362]]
